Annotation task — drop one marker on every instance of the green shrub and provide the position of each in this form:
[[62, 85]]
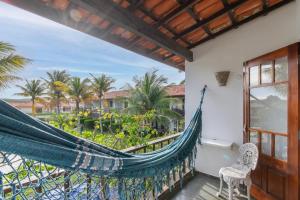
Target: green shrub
[[89, 124]]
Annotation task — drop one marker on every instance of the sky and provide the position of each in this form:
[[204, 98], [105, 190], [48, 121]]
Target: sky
[[52, 46]]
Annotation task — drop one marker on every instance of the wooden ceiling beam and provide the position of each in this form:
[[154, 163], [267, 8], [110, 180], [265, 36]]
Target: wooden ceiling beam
[[108, 30], [252, 17], [169, 56], [196, 18], [156, 20], [230, 12], [39, 8], [151, 51], [135, 4], [124, 18], [124, 44], [184, 5], [265, 5], [210, 18]]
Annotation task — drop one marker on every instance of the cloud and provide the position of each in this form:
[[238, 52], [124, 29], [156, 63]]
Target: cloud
[[76, 70], [52, 46]]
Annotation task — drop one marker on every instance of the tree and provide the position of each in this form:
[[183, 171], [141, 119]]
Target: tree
[[149, 93], [10, 63], [57, 84], [79, 91], [100, 85], [33, 89]]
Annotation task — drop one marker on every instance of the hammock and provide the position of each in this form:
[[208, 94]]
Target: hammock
[[35, 140]]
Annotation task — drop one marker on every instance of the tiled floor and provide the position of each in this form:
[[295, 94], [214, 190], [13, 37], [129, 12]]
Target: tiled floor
[[202, 187]]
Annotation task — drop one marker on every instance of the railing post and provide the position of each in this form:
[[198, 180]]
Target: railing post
[[103, 185], [66, 185], [88, 186], [153, 147], [145, 192], [184, 166], [13, 190], [1, 187]]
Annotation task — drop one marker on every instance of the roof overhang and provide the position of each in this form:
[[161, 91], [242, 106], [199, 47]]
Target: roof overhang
[[164, 30]]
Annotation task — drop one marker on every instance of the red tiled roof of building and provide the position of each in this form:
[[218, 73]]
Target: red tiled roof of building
[[26, 103], [176, 90], [116, 94], [173, 91], [22, 103]]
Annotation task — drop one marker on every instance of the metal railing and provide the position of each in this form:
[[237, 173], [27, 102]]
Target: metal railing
[[21, 178]]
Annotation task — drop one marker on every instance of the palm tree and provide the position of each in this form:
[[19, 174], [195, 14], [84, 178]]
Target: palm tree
[[57, 83], [10, 63], [79, 91], [149, 93], [100, 85], [33, 89]]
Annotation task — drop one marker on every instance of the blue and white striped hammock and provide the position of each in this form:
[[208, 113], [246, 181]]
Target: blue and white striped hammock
[[22, 135]]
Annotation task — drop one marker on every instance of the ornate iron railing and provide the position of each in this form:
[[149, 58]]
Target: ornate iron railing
[[21, 178]]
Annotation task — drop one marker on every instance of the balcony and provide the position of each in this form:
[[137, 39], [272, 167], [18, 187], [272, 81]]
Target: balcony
[[22, 178], [262, 69]]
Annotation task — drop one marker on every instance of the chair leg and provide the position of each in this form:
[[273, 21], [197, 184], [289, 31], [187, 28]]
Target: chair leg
[[248, 191], [230, 190], [221, 186]]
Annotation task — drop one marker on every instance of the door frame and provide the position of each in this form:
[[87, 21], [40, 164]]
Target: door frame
[[291, 168]]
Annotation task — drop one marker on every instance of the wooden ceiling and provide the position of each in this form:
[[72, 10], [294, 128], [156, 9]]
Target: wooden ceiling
[[164, 30]]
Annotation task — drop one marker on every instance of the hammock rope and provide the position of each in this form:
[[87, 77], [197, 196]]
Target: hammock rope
[[45, 153]]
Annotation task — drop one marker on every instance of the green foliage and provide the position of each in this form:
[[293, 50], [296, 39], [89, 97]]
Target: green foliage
[[101, 84], [79, 90], [57, 84], [150, 94], [10, 63], [89, 124], [121, 130], [33, 89]]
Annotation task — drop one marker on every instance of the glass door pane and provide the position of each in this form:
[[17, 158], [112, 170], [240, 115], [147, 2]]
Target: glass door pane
[[254, 137], [266, 144], [281, 147], [268, 108], [254, 76], [281, 69], [267, 73]]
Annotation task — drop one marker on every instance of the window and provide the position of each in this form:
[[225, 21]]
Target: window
[[266, 72], [254, 76], [111, 103], [268, 107]]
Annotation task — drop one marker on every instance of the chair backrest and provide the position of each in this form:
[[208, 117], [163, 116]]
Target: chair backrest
[[248, 155]]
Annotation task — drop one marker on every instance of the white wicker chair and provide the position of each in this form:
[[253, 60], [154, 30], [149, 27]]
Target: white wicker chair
[[239, 173]]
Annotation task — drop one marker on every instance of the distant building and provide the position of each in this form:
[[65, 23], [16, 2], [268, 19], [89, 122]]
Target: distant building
[[117, 100], [25, 105], [114, 100]]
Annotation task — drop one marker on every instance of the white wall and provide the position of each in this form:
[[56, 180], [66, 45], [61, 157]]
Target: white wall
[[223, 107]]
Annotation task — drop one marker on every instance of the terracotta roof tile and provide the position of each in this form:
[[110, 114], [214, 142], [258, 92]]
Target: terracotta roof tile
[[173, 91], [176, 90], [116, 94]]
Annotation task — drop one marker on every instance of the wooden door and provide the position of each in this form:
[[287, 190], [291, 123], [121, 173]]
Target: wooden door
[[271, 121]]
